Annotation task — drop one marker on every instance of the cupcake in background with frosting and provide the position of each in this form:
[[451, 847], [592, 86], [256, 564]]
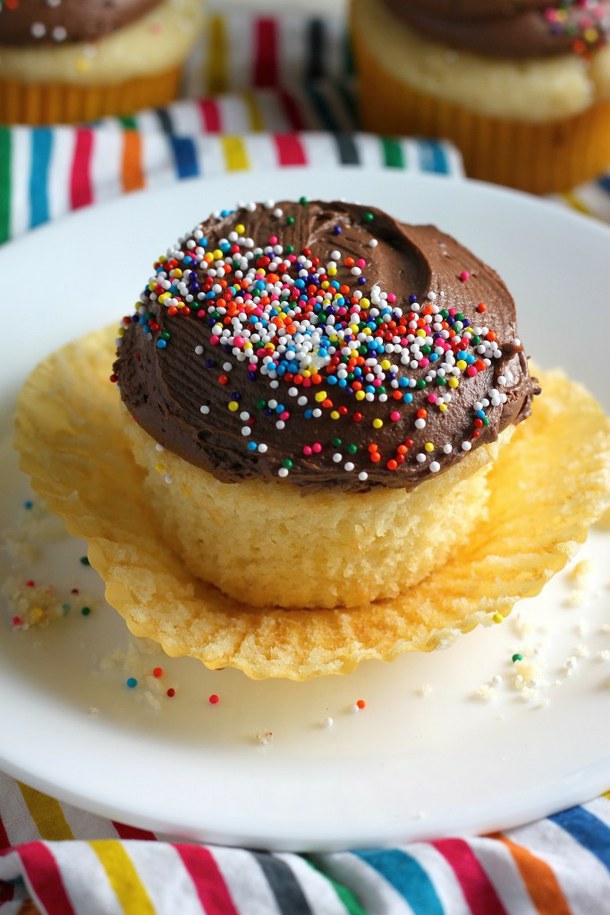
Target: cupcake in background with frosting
[[522, 87], [71, 60]]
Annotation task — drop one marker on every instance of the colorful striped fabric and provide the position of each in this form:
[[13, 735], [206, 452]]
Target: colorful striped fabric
[[47, 172], [556, 866]]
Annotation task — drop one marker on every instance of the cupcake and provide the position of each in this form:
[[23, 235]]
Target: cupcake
[[320, 367], [319, 453], [522, 88], [67, 61]]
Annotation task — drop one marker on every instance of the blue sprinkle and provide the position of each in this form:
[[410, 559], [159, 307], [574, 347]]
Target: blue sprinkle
[[131, 682], [161, 343], [28, 504]]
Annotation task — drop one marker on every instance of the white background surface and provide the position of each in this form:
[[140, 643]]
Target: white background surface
[[426, 757]]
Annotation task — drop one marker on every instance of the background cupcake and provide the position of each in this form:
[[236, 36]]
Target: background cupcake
[[69, 60], [522, 88]]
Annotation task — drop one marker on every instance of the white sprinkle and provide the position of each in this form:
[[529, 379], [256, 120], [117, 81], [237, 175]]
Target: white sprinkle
[[420, 423], [349, 466], [38, 30], [328, 723], [59, 33], [282, 472], [246, 430], [435, 467], [466, 446], [168, 478], [373, 243], [363, 475], [199, 350], [159, 447]]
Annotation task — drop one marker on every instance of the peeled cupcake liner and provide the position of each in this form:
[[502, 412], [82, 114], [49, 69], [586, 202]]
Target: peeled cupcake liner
[[540, 157], [547, 487]]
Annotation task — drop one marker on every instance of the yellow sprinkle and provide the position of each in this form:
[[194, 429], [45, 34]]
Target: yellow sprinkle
[[320, 396], [325, 284], [233, 406], [334, 414], [164, 297], [360, 395], [443, 407], [377, 423], [159, 468], [217, 254], [208, 258], [497, 617], [122, 331], [176, 272], [453, 383], [421, 332], [385, 364], [461, 364], [429, 446], [151, 286], [36, 613], [364, 303], [366, 331], [82, 64], [240, 229], [590, 35], [353, 328], [332, 271], [306, 373]]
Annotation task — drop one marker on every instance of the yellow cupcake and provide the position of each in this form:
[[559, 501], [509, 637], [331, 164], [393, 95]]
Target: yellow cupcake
[[526, 102], [64, 62]]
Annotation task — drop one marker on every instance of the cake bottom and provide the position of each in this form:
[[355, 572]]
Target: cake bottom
[[270, 544], [546, 488]]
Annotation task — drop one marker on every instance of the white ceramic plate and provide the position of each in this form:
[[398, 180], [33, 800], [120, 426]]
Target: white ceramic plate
[[427, 756]]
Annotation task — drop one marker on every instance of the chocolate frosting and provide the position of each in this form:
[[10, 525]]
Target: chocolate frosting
[[50, 22], [322, 343], [509, 28]]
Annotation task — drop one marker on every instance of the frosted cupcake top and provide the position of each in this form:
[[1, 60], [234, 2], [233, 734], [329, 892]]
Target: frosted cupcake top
[[510, 28], [324, 344], [49, 22]]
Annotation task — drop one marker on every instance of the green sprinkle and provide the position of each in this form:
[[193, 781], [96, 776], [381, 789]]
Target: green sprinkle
[[289, 249], [303, 201], [287, 463], [337, 442], [517, 657], [369, 217], [85, 561], [352, 449], [290, 220], [85, 611]]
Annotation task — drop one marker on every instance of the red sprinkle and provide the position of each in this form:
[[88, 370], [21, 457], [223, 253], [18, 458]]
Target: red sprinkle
[[171, 692], [214, 699], [158, 672]]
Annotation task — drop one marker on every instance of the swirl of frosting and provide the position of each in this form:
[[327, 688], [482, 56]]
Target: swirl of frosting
[[510, 28], [50, 22], [322, 343]]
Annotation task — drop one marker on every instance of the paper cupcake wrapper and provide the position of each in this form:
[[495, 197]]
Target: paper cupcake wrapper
[[542, 158], [547, 486], [67, 103]]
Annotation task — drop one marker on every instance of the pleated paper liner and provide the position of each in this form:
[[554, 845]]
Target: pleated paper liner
[[67, 103], [540, 157], [547, 487]]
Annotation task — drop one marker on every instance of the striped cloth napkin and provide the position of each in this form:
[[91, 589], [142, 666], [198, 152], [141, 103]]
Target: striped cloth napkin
[[263, 91]]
